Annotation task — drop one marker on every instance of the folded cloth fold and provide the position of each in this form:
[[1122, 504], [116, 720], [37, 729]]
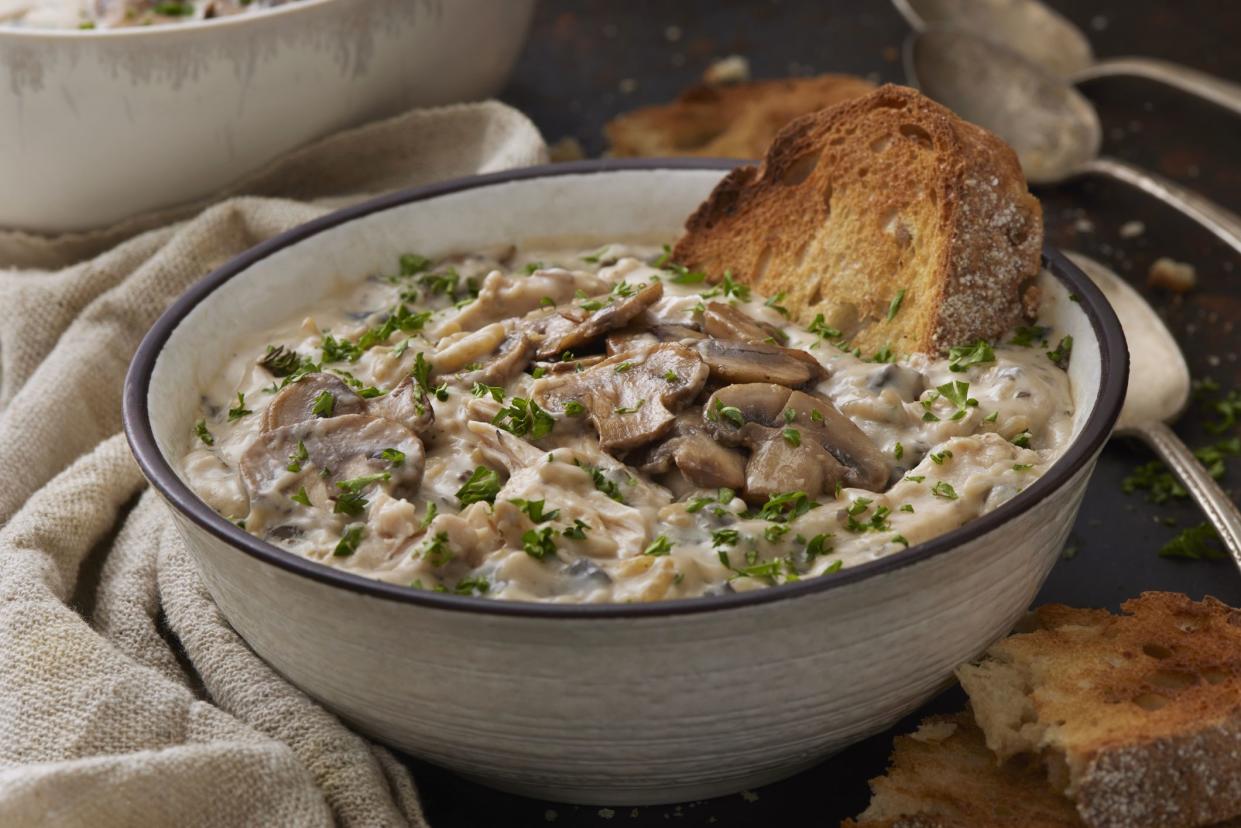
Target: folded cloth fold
[[125, 697]]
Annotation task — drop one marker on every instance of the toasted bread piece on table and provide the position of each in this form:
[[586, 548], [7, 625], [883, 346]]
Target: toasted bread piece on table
[[1137, 717], [943, 775], [888, 195], [731, 121]]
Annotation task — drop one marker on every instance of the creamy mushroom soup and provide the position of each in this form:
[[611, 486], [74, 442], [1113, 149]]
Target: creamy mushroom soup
[[107, 14], [605, 426]]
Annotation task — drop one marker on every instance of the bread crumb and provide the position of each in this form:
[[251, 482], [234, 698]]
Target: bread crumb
[[732, 69], [1172, 275], [934, 731], [567, 148], [1132, 229]]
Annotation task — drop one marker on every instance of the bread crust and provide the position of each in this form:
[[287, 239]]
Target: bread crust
[[1139, 714], [729, 121], [883, 194]]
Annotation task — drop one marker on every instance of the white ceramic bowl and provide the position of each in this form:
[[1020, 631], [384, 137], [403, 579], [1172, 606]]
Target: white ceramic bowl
[[99, 125], [607, 704]]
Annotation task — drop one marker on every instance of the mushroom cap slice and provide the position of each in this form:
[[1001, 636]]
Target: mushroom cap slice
[[723, 321], [745, 362], [336, 449], [295, 402], [406, 404], [757, 415], [702, 460], [609, 318], [512, 358], [631, 397]]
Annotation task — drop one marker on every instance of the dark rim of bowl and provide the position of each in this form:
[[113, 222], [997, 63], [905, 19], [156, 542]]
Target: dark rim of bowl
[[1113, 378]]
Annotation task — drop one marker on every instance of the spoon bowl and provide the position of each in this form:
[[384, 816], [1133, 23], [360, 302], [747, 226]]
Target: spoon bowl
[[1053, 128]]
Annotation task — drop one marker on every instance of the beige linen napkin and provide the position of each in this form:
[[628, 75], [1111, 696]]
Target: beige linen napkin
[[125, 697]]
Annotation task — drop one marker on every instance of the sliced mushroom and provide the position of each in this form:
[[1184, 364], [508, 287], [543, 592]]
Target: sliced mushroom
[[631, 397], [672, 332], [608, 318], [296, 402], [627, 339], [745, 362], [512, 358], [908, 383], [724, 321], [406, 404], [703, 461], [565, 367], [503, 296], [798, 442], [282, 460]]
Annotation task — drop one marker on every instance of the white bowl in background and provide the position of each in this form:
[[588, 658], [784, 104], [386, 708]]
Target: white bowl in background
[[99, 125], [602, 704]]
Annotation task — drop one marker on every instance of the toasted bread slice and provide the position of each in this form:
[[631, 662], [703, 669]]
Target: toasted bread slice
[[1137, 717], [901, 224], [943, 775], [734, 121]]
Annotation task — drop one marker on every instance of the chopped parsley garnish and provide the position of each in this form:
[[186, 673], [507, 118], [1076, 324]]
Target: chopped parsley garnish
[[623, 367], [957, 393], [884, 354], [524, 417], [350, 503], [682, 275], [1062, 353], [786, 506], [944, 490], [301, 497], [339, 350], [820, 328], [577, 531], [349, 540], [728, 287], [280, 361], [239, 410], [534, 509], [299, 456], [472, 586], [728, 412], [484, 485], [938, 457], [792, 436], [394, 456], [481, 389], [659, 547], [895, 305], [725, 495], [769, 569], [917, 478], [992, 417], [773, 302], [437, 551], [595, 257], [961, 357], [412, 264], [421, 373], [573, 408], [431, 511], [908, 507], [1020, 467], [878, 520], [1195, 543], [324, 404], [357, 484], [531, 267], [632, 409], [1027, 335], [901, 540], [602, 482], [818, 546], [200, 428], [725, 537], [670, 375], [1022, 440], [775, 531], [898, 451], [538, 543]]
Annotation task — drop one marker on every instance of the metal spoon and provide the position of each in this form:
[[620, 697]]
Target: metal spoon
[[1158, 393], [1049, 40], [1054, 130]]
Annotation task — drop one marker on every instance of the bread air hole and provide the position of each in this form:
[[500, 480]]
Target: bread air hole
[[1174, 680], [1156, 651], [917, 134], [800, 170], [1150, 701]]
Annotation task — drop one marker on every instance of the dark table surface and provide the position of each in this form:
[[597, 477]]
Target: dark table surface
[[588, 60]]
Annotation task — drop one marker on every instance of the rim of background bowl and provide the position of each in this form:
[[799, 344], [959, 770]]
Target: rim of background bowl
[[163, 28], [1113, 379]]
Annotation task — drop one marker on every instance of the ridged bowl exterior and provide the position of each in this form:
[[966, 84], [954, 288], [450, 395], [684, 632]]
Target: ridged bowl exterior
[[603, 705]]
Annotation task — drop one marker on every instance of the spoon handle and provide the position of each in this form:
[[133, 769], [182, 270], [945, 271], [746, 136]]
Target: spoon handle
[[1219, 92], [1221, 222], [1221, 511]]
